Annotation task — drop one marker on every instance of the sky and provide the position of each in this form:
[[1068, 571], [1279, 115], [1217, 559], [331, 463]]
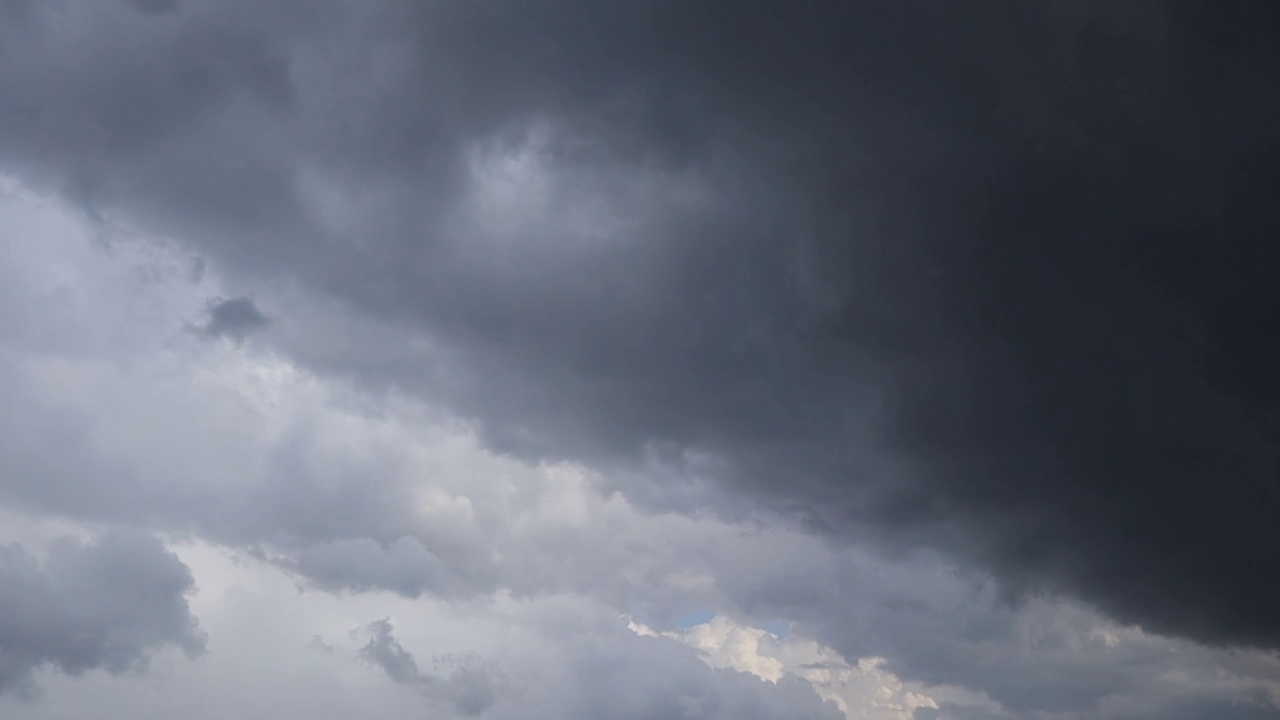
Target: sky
[[639, 359]]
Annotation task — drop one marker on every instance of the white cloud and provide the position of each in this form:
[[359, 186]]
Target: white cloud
[[861, 689]]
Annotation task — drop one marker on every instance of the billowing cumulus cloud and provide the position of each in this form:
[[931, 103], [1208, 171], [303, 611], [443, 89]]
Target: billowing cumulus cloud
[[937, 331], [106, 605]]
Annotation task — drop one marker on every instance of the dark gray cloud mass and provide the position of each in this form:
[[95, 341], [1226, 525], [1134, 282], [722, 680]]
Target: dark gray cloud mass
[[991, 277], [104, 605], [234, 318]]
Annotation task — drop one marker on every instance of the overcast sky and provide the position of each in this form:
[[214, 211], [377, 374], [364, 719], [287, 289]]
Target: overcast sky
[[622, 359]]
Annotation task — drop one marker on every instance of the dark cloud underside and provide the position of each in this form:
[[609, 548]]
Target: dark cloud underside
[[996, 277]]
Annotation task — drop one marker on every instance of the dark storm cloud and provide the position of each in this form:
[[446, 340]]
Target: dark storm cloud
[[995, 277], [105, 605], [234, 318]]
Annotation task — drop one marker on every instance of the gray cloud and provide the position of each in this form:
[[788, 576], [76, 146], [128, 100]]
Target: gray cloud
[[468, 689], [155, 7], [234, 318], [104, 605], [1227, 710], [404, 565]]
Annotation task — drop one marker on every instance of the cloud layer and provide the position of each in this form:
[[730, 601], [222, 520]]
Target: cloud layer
[[938, 331]]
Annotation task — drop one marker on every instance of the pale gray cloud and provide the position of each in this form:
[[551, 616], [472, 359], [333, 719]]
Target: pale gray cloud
[[549, 658], [468, 688]]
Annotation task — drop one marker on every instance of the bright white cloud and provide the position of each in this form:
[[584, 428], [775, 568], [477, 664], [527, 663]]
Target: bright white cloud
[[861, 689]]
